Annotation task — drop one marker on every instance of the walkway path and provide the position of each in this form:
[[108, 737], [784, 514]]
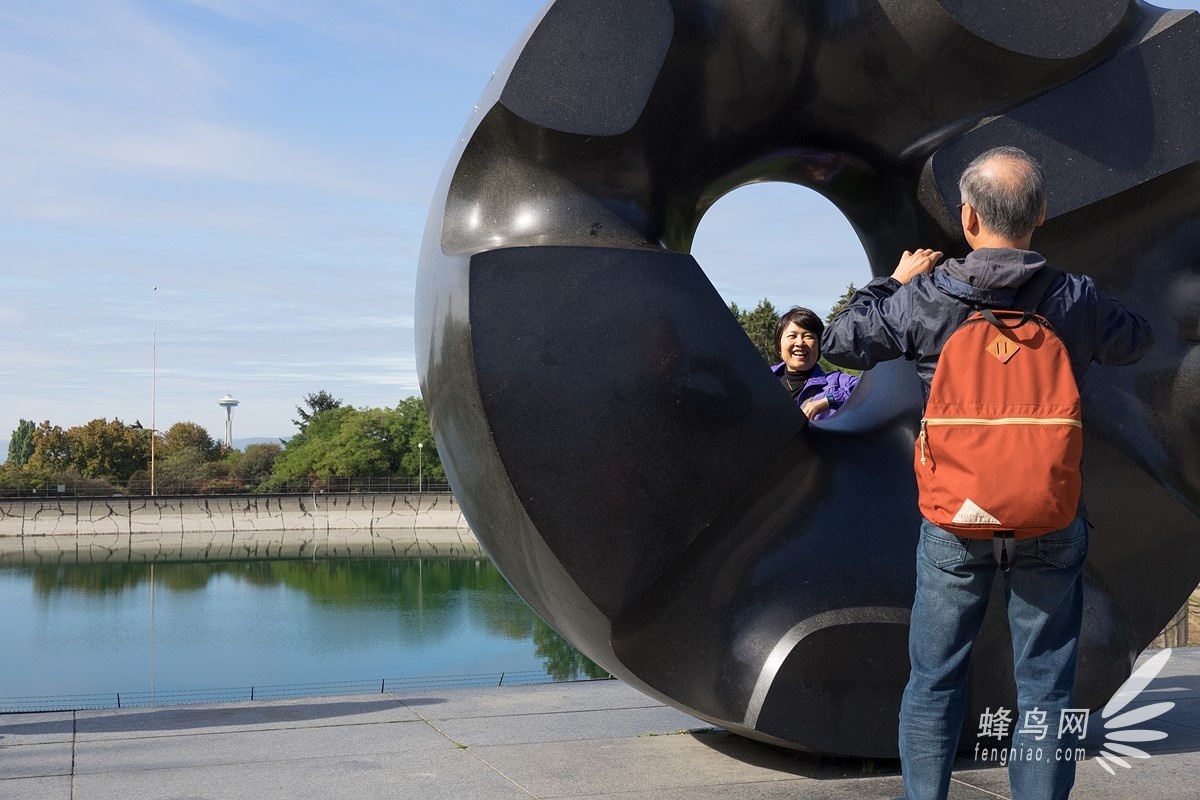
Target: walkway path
[[599, 740]]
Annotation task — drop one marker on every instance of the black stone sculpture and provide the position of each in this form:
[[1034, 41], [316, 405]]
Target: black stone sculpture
[[619, 446]]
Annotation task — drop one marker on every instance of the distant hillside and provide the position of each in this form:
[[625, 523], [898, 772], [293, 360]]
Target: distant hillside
[[240, 444]]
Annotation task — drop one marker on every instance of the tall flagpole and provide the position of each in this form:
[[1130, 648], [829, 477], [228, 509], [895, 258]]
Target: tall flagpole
[[153, 387]]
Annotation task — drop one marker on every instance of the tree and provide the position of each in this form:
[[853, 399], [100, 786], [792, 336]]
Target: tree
[[20, 446], [759, 325], [180, 472], [189, 462], [317, 402], [51, 449], [111, 450], [306, 453], [12, 477], [360, 445], [188, 435], [344, 443], [254, 465], [348, 442], [841, 303], [217, 477], [417, 460]]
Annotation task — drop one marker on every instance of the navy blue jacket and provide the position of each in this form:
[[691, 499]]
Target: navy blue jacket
[[886, 319]]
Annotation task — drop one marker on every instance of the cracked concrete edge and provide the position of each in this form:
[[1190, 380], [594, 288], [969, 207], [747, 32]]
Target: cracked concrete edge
[[98, 530], [130, 515]]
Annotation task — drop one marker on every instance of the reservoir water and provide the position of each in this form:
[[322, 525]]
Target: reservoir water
[[170, 632]]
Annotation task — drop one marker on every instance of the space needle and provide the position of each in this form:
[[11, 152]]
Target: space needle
[[227, 402]]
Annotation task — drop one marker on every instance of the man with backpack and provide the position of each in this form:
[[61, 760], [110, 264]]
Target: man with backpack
[[1002, 408]]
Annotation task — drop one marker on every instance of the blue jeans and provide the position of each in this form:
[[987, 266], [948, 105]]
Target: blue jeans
[[1044, 592]]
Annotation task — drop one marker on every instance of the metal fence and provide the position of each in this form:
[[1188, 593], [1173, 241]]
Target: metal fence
[[93, 488], [79, 702]]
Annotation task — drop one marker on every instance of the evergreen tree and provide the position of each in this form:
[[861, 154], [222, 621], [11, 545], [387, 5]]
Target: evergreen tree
[[841, 303], [759, 325], [20, 447], [316, 402]]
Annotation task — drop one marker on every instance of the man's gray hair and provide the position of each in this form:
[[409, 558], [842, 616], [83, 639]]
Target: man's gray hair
[[1010, 200]]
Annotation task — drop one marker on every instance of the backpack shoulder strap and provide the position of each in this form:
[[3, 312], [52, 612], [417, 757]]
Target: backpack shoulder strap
[[1033, 290], [1027, 298]]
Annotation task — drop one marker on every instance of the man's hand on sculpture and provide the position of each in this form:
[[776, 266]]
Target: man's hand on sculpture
[[916, 263]]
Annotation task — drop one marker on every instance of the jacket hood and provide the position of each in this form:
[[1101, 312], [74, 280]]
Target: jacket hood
[[990, 275]]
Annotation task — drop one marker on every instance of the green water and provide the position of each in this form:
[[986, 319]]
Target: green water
[[83, 628]]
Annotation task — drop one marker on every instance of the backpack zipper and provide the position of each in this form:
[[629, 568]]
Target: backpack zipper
[[925, 422], [1001, 421]]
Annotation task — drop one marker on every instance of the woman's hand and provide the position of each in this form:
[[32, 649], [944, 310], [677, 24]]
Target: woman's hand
[[814, 406], [916, 263]]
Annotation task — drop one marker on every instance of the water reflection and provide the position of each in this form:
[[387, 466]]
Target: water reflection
[[246, 622]]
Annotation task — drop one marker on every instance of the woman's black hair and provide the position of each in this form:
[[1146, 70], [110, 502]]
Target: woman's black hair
[[803, 317]]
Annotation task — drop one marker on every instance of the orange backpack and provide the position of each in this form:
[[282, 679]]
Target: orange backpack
[[1000, 445]]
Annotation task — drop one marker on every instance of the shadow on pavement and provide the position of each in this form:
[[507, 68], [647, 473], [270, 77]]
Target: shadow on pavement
[[184, 718]]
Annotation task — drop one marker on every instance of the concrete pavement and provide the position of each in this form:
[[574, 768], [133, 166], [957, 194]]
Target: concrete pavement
[[594, 740]]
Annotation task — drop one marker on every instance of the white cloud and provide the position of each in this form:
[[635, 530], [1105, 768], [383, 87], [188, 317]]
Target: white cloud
[[111, 56], [98, 97]]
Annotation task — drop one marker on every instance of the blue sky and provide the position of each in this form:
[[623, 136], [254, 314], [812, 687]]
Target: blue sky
[[268, 165]]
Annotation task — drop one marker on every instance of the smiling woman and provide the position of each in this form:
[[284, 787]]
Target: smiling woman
[[818, 393]]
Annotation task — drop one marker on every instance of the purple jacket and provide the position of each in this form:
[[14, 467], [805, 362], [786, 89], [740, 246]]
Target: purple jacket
[[837, 386]]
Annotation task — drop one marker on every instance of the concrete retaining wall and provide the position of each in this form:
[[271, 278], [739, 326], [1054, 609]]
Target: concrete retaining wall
[[315, 513], [107, 529]]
